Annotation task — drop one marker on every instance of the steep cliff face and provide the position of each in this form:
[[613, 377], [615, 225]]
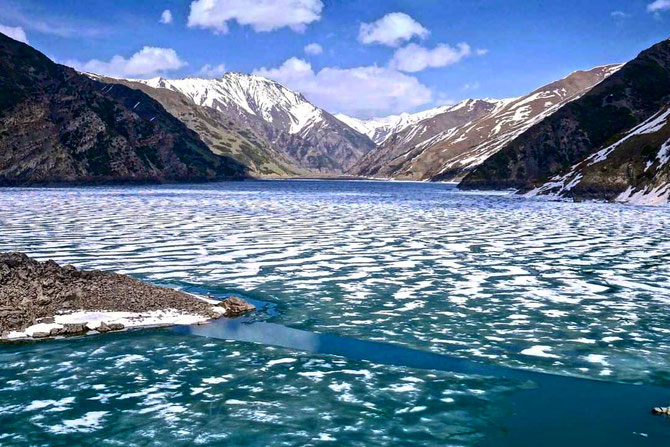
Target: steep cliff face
[[595, 122], [446, 146], [57, 126]]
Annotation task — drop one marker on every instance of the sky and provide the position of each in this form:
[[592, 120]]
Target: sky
[[364, 58]]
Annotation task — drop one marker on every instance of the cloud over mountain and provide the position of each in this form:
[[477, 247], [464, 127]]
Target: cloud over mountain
[[413, 58], [147, 62], [15, 32], [360, 91]]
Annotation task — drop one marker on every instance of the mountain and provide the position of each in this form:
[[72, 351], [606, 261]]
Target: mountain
[[57, 126], [634, 169], [221, 134], [609, 144], [378, 129], [277, 122], [447, 146], [398, 150]]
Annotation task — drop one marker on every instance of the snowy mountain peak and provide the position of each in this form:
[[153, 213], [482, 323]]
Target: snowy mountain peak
[[380, 129], [256, 95]]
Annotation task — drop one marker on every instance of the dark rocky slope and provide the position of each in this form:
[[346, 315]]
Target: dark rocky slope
[[57, 126], [601, 118], [635, 169]]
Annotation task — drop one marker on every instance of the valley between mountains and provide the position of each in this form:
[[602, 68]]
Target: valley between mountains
[[596, 134]]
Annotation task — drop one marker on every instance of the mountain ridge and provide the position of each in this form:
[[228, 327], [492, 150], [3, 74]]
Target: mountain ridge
[[60, 127], [379, 129], [603, 119], [310, 137], [447, 146]]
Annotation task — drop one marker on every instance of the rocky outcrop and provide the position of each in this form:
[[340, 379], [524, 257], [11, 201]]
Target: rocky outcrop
[[236, 306], [33, 292], [598, 146], [60, 127]]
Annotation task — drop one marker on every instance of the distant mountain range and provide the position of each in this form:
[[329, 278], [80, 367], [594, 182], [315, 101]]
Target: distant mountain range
[[380, 129], [450, 143], [57, 126], [609, 144], [596, 134]]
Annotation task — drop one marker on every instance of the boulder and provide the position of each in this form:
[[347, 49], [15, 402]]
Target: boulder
[[235, 306], [104, 327], [69, 329], [40, 334]]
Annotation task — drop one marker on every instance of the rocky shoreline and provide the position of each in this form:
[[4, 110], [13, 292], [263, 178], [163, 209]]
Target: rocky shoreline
[[44, 299]]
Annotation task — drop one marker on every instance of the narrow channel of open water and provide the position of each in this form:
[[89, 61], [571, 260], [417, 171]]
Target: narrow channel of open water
[[399, 314]]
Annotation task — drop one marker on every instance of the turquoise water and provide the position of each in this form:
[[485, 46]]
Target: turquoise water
[[576, 289]]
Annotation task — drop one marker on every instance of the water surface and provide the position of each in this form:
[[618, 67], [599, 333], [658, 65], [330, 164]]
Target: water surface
[[576, 289]]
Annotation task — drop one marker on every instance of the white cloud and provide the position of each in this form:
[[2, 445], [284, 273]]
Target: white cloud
[[360, 91], [212, 71], [261, 15], [392, 30], [15, 32], [314, 49], [147, 62], [481, 52], [413, 58], [166, 17], [658, 5], [619, 14], [472, 86]]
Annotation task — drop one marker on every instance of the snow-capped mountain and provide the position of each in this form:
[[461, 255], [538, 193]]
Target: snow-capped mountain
[[612, 143], [283, 119], [285, 109], [621, 172], [378, 129], [448, 145]]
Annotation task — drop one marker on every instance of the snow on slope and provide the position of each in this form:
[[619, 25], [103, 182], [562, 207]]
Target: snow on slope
[[379, 129], [283, 108], [437, 149], [310, 137], [649, 189]]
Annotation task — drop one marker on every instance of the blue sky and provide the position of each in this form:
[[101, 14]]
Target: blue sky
[[377, 57]]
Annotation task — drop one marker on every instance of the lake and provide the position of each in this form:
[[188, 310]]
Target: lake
[[391, 313]]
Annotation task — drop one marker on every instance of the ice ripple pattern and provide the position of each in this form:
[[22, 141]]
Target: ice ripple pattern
[[577, 288], [140, 389]]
